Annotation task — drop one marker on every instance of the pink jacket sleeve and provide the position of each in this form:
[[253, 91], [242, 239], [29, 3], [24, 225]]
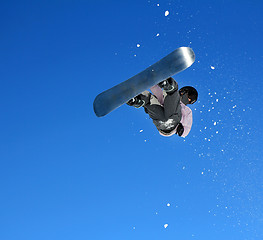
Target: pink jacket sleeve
[[187, 119], [158, 92]]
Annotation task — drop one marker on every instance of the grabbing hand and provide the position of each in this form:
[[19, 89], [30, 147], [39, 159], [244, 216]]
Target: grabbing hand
[[180, 129]]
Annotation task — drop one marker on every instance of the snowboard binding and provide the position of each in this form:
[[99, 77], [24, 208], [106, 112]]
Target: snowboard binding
[[136, 102], [140, 100], [169, 85]]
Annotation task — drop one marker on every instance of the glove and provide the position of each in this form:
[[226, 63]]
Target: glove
[[180, 129]]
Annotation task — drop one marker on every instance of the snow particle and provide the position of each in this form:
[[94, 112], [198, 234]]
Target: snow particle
[[165, 225], [138, 45], [141, 130], [168, 204], [166, 13], [158, 34], [158, 4], [212, 67]]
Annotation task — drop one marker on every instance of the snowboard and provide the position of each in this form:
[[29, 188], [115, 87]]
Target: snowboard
[[173, 63]]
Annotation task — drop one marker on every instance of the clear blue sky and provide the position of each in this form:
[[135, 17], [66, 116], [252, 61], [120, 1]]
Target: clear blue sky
[[66, 174]]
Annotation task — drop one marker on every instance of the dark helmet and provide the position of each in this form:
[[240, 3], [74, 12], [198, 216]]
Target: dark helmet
[[188, 92]]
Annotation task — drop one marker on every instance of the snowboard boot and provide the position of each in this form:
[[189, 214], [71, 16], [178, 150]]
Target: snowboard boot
[[169, 85], [140, 100], [136, 102]]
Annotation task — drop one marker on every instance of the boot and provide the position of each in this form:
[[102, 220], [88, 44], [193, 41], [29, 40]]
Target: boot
[[140, 100], [169, 85], [136, 102]]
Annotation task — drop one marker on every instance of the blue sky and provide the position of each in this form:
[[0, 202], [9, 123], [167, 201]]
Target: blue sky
[[66, 174]]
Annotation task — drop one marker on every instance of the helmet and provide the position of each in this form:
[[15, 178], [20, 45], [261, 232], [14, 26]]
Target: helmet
[[187, 93]]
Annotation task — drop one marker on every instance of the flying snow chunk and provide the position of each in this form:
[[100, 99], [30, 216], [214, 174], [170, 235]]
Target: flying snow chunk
[[141, 130], [158, 34], [168, 205], [165, 225], [214, 123], [166, 13], [138, 45], [212, 67]]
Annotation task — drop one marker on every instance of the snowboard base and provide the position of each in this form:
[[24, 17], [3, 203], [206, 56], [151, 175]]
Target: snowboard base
[[173, 63]]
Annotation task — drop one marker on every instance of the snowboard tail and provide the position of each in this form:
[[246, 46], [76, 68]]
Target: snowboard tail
[[173, 63]]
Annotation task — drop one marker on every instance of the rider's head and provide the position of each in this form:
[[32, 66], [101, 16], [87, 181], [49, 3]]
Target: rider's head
[[188, 95]]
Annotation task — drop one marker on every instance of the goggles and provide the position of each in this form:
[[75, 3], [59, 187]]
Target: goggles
[[192, 101]]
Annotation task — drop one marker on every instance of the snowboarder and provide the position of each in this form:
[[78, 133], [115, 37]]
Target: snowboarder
[[175, 62], [167, 108]]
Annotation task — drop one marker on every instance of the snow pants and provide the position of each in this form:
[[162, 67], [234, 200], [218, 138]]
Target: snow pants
[[165, 117]]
